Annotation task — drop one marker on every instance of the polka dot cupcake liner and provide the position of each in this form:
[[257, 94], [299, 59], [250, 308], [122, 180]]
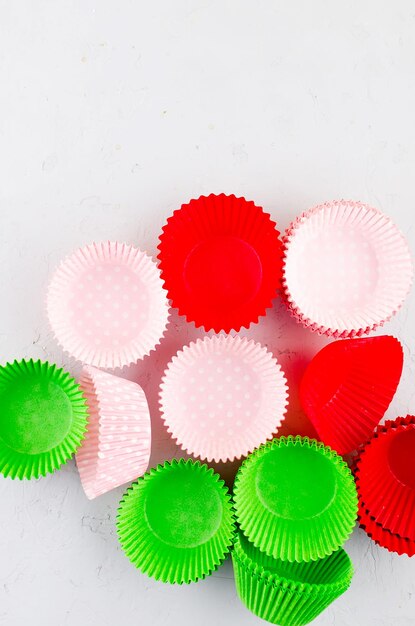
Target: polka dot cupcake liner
[[107, 306], [347, 268], [222, 396], [117, 446]]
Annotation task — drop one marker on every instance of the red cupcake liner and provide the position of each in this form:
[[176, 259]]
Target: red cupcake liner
[[221, 261], [383, 537], [348, 386], [385, 477]]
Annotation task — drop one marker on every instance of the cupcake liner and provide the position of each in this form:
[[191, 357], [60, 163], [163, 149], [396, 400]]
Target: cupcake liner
[[106, 305], [295, 499], [347, 268], [289, 594], [176, 522], [383, 537], [117, 446], [330, 575], [223, 396], [220, 257], [44, 418], [348, 386], [385, 477]]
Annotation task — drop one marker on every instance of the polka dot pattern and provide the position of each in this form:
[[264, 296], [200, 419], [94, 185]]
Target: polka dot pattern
[[224, 392], [117, 447], [223, 396], [107, 305]]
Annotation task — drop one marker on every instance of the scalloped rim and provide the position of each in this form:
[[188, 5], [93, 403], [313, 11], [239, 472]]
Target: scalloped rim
[[397, 425], [382, 536], [262, 575], [104, 364], [227, 503], [341, 465], [295, 311], [33, 466], [179, 310], [219, 339]]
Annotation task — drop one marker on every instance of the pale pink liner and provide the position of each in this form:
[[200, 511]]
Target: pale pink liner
[[74, 266], [384, 223], [117, 445], [184, 424]]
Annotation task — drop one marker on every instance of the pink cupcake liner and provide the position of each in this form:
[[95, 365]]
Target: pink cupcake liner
[[347, 269], [117, 446], [106, 304], [223, 396]]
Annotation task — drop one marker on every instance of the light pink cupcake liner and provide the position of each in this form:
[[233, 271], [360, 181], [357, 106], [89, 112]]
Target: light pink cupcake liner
[[347, 269], [117, 446], [223, 396], [107, 305]]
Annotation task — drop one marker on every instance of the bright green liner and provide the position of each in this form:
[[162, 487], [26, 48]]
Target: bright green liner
[[43, 418], [176, 523], [289, 594], [295, 499]]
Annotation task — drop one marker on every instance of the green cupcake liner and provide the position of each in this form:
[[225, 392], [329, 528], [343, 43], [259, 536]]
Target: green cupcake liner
[[289, 594], [176, 523], [295, 499], [43, 418]]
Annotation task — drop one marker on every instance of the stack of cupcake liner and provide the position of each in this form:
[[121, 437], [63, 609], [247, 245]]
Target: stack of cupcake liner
[[295, 499], [347, 269], [385, 481], [344, 269], [289, 594], [296, 505]]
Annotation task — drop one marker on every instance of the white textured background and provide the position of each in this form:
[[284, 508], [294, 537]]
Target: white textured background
[[113, 113]]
